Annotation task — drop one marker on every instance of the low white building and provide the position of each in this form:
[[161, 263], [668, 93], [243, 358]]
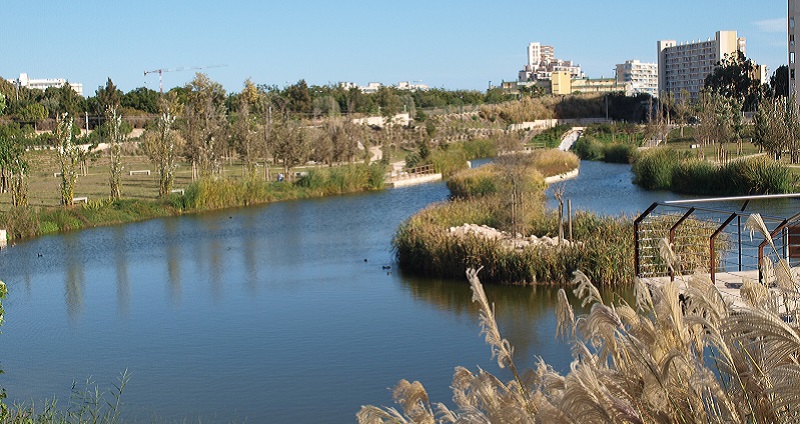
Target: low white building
[[44, 84], [412, 86], [373, 87]]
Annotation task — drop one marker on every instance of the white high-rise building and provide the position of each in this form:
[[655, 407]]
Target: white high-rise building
[[44, 84], [684, 67], [642, 77], [542, 63]]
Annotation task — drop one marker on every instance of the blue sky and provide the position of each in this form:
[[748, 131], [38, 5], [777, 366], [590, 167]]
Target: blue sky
[[450, 44]]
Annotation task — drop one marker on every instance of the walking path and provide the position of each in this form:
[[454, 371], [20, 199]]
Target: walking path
[[570, 138]]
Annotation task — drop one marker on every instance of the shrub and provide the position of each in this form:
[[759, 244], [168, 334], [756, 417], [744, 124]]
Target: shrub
[[480, 148], [21, 223], [447, 161], [588, 149], [481, 181]]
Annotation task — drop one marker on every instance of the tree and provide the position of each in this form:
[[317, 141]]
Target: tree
[[735, 77], [64, 99], [779, 81], [13, 166], [109, 96], [244, 135], [299, 98], [161, 146], [114, 124], [682, 109], [69, 156], [720, 119], [324, 140], [141, 98], [776, 127], [290, 143], [520, 189], [205, 123], [32, 113], [389, 102], [2, 103]]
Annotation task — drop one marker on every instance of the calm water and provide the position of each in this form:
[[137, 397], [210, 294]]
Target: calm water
[[264, 314]]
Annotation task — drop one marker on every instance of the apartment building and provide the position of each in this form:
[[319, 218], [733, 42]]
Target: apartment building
[[642, 77], [44, 84], [562, 83], [685, 66], [542, 63]]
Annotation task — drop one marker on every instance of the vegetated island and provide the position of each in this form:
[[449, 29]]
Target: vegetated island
[[497, 220]]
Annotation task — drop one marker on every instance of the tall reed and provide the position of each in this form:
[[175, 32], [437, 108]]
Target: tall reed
[[424, 245], [661, 358], [653, 170], [665, 169]]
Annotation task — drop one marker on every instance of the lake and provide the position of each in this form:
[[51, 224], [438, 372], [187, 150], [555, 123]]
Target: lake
[[281, 313]]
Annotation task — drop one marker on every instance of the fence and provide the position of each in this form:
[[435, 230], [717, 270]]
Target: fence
[[710, 236]]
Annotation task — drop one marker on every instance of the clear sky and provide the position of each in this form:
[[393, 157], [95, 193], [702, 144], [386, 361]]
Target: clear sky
[[449, 44]]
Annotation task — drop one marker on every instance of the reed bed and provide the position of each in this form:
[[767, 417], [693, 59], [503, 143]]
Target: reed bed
[[666, 169], [205, 194], [592, 149], [509, 195], [550, 162], [423, 244]]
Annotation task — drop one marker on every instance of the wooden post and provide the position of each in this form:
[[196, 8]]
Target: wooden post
[[569, 217]]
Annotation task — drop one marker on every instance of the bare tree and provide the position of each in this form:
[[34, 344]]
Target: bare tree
[[115, 151], [205, 124], [69, 157], [161, 146], [244, 133]]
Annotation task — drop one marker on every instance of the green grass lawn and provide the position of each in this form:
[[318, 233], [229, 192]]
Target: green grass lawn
[[44, 187], [685, 143]]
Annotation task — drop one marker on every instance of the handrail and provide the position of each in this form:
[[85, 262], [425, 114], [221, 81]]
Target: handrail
[[747, 255], [732, 198], [712, 250], [672, 237], [636, 222]]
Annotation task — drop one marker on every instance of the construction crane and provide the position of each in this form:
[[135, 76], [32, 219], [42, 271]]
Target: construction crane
[[160, 71]]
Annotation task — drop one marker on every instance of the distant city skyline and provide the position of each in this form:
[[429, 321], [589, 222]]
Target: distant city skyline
[[445, 44]]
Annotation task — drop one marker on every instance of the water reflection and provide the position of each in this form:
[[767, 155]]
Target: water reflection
[[215, 257], [249, 249], [526, 315], [297, 313], [74, 281], [173, 256], [121, 262]]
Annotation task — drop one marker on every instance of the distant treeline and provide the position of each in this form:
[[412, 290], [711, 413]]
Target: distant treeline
[[35, 107]]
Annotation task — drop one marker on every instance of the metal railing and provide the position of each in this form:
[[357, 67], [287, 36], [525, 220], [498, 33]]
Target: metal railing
[[709, 235], [414, 172]]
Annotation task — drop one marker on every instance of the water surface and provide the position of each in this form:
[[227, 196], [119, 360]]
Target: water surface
[[279, 313]]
